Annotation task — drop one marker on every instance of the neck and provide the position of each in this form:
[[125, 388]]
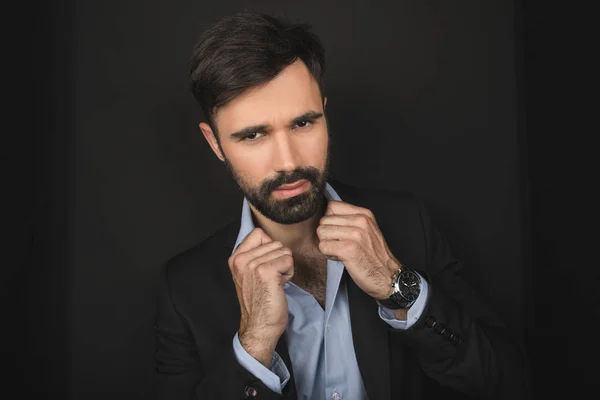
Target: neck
[[300, 237]]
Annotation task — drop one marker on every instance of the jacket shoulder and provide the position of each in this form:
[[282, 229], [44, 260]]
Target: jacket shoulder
[[198, 261], [400, 200]]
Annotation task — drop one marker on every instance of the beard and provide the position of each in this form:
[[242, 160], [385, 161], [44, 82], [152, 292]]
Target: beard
[[291, 210]]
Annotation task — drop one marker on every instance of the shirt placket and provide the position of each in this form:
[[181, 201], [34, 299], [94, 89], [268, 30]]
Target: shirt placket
[[334, 372]]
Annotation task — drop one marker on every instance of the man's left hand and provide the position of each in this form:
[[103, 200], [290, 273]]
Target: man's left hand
[[351, 234]]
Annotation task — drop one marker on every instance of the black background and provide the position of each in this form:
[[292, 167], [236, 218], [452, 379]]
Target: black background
[[467, 104]]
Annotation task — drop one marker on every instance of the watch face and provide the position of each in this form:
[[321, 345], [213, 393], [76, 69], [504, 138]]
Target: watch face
[[409, 283]]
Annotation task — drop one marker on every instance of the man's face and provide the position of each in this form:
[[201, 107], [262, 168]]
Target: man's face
[[275, 135]]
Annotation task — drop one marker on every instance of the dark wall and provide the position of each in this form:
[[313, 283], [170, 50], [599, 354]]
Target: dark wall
[[422, 97], [33, 275], [559, 106]]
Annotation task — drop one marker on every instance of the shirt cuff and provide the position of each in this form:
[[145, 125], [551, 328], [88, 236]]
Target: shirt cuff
[[414, 312], [275, 379]]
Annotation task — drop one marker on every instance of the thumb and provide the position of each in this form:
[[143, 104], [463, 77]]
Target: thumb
[[256, 238]]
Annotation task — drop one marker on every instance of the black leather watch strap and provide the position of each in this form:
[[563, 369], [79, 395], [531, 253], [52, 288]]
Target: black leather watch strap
[[406, 290]]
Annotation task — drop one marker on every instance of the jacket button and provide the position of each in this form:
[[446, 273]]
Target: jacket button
[[250, 391], [431, 322], [457, 339]]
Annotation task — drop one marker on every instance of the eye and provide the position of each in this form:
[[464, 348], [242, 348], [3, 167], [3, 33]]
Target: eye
[[252, 137], [303, 123]]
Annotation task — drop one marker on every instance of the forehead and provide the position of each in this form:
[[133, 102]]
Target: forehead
[[291, 93]]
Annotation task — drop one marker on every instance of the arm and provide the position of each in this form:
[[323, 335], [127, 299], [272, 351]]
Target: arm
[[458, 341], [180, 372]]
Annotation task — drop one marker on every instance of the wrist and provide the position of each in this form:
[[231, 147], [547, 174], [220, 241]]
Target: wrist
[[401, 314], [261, 348], [406, 285], [392, 266]]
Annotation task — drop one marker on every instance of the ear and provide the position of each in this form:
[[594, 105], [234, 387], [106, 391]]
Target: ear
[[210, 137]]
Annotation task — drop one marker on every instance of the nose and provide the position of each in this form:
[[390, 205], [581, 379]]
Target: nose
[[285, 153]]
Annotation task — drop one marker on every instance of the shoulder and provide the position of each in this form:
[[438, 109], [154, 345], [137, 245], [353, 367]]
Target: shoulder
[[383, 199], [197, 285], [203, 259]]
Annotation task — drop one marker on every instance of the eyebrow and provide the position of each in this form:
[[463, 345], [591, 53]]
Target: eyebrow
[[249, 130]]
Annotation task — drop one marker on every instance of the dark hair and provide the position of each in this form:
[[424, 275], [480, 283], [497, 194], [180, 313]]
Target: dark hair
[[249, 49]]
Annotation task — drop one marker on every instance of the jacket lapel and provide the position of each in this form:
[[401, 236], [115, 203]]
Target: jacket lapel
[[369, 332], [370, 337]]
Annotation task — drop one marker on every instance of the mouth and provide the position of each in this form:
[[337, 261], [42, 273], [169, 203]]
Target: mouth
[[292, 189], [292, 185]]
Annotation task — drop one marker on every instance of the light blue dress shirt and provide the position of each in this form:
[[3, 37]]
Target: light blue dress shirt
[[319, 341]]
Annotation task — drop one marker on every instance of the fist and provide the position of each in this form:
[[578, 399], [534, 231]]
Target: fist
[[259, 268]]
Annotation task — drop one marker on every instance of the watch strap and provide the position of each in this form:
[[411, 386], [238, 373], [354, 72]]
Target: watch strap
[[406, 285]]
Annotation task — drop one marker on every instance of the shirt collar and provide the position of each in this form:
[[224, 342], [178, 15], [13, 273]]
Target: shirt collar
[[247, 225]]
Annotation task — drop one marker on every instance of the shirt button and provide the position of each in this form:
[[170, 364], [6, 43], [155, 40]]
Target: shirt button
[[335, 396]]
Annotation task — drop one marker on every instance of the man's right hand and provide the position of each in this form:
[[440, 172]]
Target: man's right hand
[[260, 267]]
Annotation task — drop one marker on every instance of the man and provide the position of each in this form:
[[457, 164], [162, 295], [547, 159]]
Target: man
[[320, 290]]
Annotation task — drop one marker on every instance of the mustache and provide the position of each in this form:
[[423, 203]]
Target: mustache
[[308, 173]]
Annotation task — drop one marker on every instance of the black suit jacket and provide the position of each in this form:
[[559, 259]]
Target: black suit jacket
[[457, 349]]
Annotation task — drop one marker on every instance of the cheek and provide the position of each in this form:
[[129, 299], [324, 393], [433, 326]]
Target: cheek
[[318, 150], [250, 167], [311, 145]]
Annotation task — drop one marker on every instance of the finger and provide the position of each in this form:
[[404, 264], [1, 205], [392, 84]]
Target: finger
[[256, 252], [335, 207], [338, 232], [254, 239], [285, 266], [269, 256], [357, 220], [280, 269], [335, 249]]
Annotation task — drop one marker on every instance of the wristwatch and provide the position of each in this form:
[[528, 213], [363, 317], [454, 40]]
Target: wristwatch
[[406, 285]]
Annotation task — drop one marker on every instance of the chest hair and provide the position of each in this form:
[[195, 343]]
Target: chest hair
[[310, 273]]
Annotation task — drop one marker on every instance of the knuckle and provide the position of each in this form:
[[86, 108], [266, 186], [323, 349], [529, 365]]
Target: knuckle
[[235, 261], [236, 271], [262, 271], [257, 232], [239, 260], [363, 220], [350, 245]]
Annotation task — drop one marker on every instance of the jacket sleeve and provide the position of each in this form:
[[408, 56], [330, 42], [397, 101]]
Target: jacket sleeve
[[182, 374], [457, 340]]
